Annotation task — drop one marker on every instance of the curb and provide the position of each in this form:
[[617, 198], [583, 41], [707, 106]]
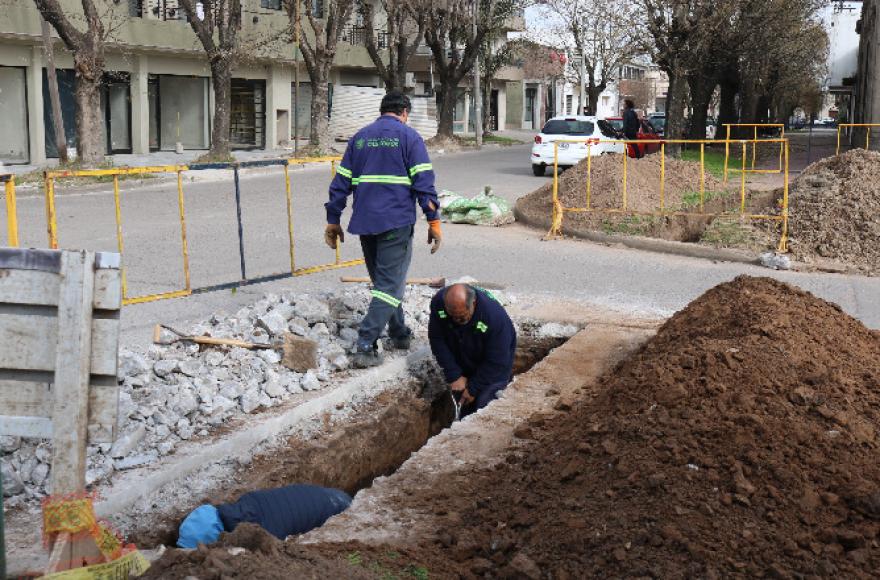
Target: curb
[[644, 244]]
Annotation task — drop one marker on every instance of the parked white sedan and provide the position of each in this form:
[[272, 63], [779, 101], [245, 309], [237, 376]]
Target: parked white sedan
[[594, 136]]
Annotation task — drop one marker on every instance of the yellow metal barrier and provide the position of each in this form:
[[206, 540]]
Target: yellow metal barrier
[[866, 126], [50, 178], [559, 210], [51, 219], [11, 210], [755, 127]]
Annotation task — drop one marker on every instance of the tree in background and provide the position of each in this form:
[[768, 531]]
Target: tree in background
[[496, 53], [318, 42], [455, 45], [88, 47], [405, 28], [217, 24], [603, 32]]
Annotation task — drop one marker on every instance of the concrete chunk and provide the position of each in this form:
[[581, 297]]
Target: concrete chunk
[[300, 354]]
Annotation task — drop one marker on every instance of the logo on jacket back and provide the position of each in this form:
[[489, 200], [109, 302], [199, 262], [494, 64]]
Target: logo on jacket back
[[391, 142], [359, 144]]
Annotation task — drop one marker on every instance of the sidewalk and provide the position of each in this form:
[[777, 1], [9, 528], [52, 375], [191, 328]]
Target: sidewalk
[[158, 158]]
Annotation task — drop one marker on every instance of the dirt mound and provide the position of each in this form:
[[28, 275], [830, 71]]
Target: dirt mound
[[643, 195], [739, 442], [835, 205], [251, 552]]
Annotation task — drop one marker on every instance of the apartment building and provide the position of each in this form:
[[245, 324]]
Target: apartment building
[[157, 89]]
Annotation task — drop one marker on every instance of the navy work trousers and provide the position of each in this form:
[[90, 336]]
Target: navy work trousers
[[486, 396], [388, 256]]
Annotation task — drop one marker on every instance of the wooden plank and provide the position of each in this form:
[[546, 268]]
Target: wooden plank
[[72, 364], [108, 290], [105, 346], [103, 413], [28, 342], [29, 287], [31, 399], [36, 427]]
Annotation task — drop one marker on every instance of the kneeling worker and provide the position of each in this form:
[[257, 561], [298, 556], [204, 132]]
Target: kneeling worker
[[474, 343], [286, 511]]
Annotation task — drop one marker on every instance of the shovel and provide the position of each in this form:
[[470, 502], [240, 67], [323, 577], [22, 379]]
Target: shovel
[[208, 340]]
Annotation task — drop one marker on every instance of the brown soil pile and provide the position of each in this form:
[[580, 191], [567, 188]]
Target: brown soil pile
[[643, 195], [741, 441], [252, 553], [835, 211]]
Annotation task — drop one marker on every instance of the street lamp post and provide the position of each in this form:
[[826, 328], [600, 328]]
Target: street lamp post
[[478, 95]]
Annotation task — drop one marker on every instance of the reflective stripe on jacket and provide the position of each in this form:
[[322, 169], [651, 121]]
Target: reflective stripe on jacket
[[387, 170]]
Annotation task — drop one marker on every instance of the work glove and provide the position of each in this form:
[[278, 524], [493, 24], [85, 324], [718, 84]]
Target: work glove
[[435, 236], [332, 233]]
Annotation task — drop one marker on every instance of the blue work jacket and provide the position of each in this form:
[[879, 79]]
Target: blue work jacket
[[387, 169], [482, 350], [285, 511]]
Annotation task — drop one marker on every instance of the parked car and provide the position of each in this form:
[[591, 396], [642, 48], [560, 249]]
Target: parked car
[[594, 136], [658, 121], [646, 132]]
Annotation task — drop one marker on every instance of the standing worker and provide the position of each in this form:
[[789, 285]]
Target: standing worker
[[387, 168], [631, 126], [474, 343]]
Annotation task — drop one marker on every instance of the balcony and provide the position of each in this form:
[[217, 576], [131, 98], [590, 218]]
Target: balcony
[[158, 9], [357, 36]]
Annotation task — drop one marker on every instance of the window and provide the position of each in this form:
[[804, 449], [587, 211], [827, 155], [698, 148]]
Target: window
[[271, 4], [568, 103], [568, 127], [317, 8]]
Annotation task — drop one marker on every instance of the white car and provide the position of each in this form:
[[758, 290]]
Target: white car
[[594, 136]]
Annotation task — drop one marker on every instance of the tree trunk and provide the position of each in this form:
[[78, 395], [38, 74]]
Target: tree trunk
[[91, 142], [593, 99], [54, 97], [319, 135], [221, 79], [675, 104], [446, 109], [727, 107], [701, 88]]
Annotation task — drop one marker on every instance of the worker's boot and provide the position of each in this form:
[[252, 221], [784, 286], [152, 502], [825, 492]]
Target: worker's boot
[[363, 359], [402, 343]]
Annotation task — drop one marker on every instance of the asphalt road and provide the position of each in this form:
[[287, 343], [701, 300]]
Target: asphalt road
[[513, 256]]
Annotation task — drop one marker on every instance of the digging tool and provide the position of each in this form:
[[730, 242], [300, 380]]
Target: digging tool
[[456, 402], [209, 340], [432, 282]]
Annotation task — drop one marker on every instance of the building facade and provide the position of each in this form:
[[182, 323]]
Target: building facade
[[157, 91]]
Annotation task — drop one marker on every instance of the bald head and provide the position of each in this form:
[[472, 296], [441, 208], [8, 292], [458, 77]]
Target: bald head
[[460, 301]]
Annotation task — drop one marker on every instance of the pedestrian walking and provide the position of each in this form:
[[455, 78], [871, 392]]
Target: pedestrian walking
[[387, 170], [631, 126]]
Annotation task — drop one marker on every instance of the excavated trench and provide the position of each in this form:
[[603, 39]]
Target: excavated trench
[[348, 455]]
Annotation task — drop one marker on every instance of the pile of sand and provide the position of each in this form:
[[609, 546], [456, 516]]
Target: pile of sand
[[835, 211], [643, 195]]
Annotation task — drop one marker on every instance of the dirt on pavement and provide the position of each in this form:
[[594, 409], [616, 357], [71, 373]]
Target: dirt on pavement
[[740, 441]]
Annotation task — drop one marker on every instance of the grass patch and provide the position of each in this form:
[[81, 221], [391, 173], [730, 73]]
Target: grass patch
[[714, 160], [36, 177], [631, 225], [691, 199], [212, 158], [730, 231], [389, 570], [496, 139]]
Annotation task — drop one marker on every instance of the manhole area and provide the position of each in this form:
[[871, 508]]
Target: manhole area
[[347, 454]]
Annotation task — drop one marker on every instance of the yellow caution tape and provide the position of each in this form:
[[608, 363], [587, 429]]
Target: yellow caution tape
[[68, 515], [131, 564]]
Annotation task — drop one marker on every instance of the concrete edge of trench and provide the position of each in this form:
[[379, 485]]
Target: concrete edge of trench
[[137, 485], [641, 243], [383, 514]]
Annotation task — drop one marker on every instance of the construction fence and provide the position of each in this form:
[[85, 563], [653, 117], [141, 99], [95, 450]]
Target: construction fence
[[757, 129], [849, 129], [662, 210], [185, 287]]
